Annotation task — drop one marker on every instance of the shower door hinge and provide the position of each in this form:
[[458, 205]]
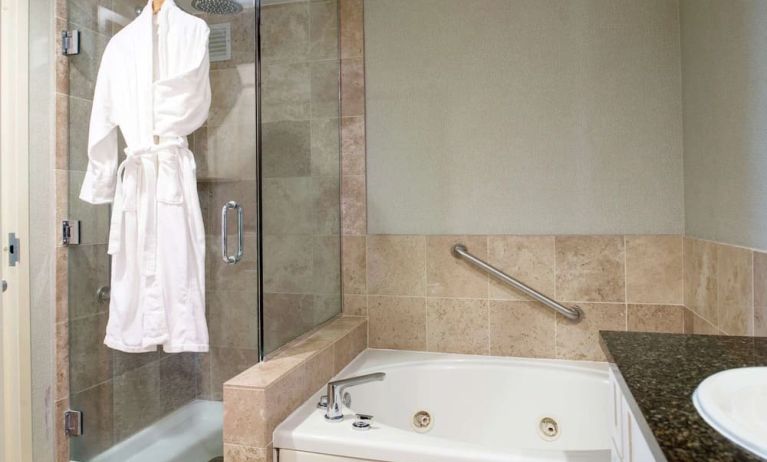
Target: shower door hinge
[[14, 249], [70, 232], [70, 42], [73, 423]]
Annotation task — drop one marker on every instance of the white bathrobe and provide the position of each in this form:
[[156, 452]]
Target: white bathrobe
[[157, 240]]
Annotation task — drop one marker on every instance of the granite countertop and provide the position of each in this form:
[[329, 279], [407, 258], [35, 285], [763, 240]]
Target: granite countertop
[[662, 371]]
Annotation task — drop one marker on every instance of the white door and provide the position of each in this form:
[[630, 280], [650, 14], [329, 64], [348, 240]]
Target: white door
[[15, 381]]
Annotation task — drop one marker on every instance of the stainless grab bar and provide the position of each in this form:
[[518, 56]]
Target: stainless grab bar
[[231, 259], [573, 313]]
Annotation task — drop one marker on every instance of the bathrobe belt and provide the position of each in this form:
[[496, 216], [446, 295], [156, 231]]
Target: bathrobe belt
[[148, 175]]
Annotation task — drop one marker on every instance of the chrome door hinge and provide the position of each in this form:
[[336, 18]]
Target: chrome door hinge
[[70, 232], [70, 42], [14, 249], [73, 423]]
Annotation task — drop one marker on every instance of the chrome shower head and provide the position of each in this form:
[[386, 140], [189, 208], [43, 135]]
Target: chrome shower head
[[217, 6]]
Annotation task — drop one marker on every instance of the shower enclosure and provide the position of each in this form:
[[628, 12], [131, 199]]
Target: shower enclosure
[[270, 148]]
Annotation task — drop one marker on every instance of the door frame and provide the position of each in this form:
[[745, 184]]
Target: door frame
[[15, 366]]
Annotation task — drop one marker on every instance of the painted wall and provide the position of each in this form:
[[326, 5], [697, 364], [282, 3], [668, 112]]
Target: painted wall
[[724, 64], [523, 117]]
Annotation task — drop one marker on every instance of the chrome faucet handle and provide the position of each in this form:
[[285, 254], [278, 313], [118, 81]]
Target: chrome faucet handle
[[362, 421], [323, 403]]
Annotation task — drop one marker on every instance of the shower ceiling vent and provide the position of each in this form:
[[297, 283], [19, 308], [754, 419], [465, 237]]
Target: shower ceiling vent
[[220, 43]]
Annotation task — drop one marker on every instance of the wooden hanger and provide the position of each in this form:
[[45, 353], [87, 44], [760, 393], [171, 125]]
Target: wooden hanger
[[156, 5]]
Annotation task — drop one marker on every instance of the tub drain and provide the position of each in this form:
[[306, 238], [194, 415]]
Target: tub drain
[[422, 421], [548, 428]]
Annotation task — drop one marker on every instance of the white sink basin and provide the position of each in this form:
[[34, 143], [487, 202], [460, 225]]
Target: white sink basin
[[734, 402]]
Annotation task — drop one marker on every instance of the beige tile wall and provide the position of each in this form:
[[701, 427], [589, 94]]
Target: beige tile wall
[[418, 296], [725, 288]]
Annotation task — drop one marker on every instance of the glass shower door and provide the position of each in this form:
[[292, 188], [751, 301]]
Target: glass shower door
[[132, 403]]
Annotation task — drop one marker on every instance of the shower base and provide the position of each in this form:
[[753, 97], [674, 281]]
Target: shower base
[[191, 433]]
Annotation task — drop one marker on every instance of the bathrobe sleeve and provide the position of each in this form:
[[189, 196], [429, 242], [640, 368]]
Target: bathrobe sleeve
[[182, 100], [100, 179]]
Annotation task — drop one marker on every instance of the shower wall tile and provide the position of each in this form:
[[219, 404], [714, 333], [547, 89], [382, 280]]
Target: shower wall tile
[[590, 268], [760, 294], [355, 305], [62, 360], [353, 265], [325, 148], [286, 91], [222, 276], [90, 360], [84, 67], [86, 14], [243, 25], [581, 340], [324, 89], [288, 317], [323, 29], [654, 269], [126, 362], [61, 442], [531, 259], [137, 400], [285, 32], [286, 148], [94, 219], [326, 202], [397, 322], [353, 205], [95, 402], [79, 111], [178, 380], [447, 276], [351, 24], [288, 263], [656, 318], [289, 206], [233, 318], [352, 87], [521, 328], [226, 363], [396, 265], [62, 131], [326, 279], [457, 326], [353, 145], [90, 264]]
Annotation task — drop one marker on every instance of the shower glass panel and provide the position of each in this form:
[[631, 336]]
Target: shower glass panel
[[300, 71], [287, 186], [132, 402]]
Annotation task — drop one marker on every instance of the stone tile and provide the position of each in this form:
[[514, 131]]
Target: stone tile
[[226, 363], [355, 305], [325, 147], [352, 35], [694, 324], [90, 361], [288, 206], [448, 276], [243, 275], [96, 403], [760, 294], [317, 372], [286, 317], [581, 340], [590, 268], [326, 278], [354, 263], [457, 326], [286, 148], [245, 417], [353, 146], [326, 307], [760, 321], [397, 322], [521, 328], [84, 67], [137, 400], [348, 347], [531, 259], [126, 362], [90, 266], [232, 318], [62, 360], [62, 130], [656, 318], [327, 192], [62, 284], [323, 29], [243, 26], [655, 269], [735, 293], [62, 64], [353, 205], [61, 442], [352, 87], [178, 380], [78, 116], [288, 265], [285, 91], [237, 453], [285, 31], [700, 265], [324, 89], [215, 194], [396, 265], [94, 219]]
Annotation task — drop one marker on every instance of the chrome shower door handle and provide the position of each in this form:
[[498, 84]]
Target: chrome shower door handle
[[231, 259]]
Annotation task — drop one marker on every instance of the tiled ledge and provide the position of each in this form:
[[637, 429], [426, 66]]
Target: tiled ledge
[[257, 400]]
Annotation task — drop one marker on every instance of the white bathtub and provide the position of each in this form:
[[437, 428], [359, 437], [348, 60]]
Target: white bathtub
[[482, 409]]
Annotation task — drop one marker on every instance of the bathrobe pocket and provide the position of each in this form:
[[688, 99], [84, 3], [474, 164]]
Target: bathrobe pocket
[[169, 183]]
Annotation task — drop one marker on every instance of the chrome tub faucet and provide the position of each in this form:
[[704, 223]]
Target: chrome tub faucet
[[336, 388]]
